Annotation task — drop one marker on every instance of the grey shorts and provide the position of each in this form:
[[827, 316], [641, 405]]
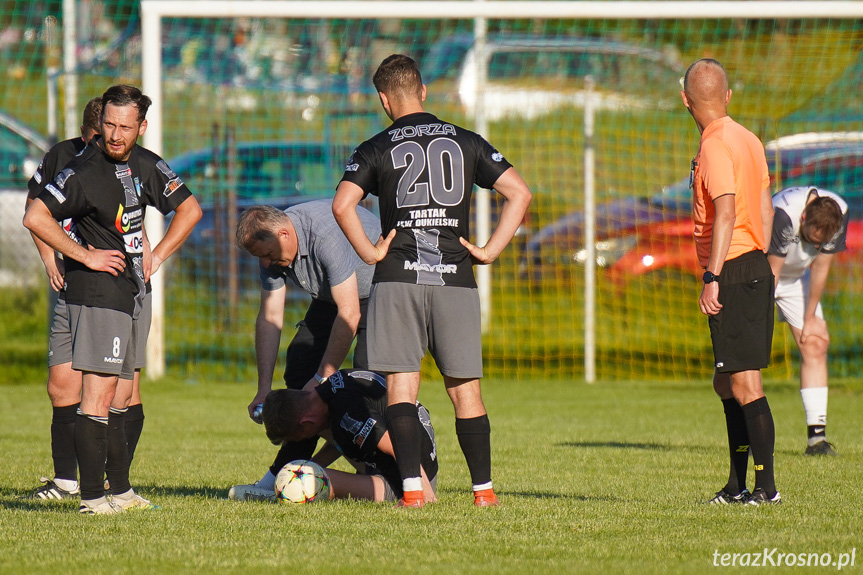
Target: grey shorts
[[142, 332], [102, 340], [60, 338], [405, 320]]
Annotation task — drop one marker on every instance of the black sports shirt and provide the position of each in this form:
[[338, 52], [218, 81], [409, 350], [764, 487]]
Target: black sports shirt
[[423, 170], [106, 199], [357, 402], [54, 160]]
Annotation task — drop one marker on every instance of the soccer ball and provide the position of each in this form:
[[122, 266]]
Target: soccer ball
[[302, 481]]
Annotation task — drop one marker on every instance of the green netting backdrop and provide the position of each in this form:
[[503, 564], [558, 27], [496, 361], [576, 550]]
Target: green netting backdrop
[[284, 100]]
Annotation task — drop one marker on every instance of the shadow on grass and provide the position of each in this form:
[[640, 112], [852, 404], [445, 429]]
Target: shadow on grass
[[21, 502], [617, 445], [550, 495], [204, 491]]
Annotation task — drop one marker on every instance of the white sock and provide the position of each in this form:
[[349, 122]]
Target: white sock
[[482, 487], [412, 484], [126, 496], [268, 481], [815, 405], [69, 485]]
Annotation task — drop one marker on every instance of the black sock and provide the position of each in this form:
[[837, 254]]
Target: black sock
[[91, 448], [63, 442], [817, 432], [134, 425], [292, 450], [738, 445], [117, 462], [404, 425], [762, 436], [474, 437]]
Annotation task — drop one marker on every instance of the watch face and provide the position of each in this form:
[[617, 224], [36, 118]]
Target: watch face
[[708, 277]]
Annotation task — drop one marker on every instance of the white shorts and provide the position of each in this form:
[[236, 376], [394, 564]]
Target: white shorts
[[791, 297]]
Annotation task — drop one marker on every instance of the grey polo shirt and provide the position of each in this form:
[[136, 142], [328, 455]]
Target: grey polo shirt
[[325, 257]]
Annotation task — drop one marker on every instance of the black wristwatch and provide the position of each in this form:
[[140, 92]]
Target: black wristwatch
[[709, 277]]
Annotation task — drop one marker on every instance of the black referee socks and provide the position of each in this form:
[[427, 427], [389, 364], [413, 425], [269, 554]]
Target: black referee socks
[[762, 436], [738, 445]]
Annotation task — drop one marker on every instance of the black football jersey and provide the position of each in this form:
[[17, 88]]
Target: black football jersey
[[106, 199], [357, 402], [55, 160], [423, 171]]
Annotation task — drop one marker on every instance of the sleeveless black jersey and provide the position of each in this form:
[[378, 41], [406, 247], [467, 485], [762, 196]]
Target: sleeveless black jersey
[[106, 200], [357, 401], [423, 171]]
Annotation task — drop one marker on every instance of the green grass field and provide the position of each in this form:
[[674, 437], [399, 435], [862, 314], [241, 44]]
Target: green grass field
[[607, 478]]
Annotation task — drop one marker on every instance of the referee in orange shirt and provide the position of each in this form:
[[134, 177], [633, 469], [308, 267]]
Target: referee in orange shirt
[[733, 218]]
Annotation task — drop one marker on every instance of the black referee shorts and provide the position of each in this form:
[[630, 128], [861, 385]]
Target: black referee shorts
[[742, 331]]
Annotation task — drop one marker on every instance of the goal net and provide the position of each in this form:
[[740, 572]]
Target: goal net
[[262, 102]]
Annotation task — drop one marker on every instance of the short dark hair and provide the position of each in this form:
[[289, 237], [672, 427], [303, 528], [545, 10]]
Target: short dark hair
[[258, 223], [824, 216], [282, 413], [92, 118], [399, 76], [126, 95]]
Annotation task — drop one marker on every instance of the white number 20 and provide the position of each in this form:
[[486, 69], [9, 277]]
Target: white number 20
[[442, 155]]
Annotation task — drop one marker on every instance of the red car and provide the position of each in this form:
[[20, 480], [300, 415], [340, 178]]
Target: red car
[[640, 235]]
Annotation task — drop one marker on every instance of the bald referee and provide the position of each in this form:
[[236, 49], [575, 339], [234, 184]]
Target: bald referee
[[423, 171]]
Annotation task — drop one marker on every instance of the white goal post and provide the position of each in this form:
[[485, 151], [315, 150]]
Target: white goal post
[[152, 12]]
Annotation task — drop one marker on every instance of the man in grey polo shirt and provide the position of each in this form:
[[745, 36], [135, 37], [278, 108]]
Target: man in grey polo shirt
[[305, 245]]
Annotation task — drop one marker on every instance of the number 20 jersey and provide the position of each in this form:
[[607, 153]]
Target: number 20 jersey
[[423, 171]]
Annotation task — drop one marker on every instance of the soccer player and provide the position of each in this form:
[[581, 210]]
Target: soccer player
[[347, 409], [104, 190], [808, 230], [304, 244], [64, 383], [733, 219], [423, 170]]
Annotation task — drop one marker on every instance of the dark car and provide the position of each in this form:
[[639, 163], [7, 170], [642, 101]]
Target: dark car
[[639, 235], [21, 150], [280, 174]]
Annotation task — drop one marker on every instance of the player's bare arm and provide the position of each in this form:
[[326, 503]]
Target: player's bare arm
[[268, 332], [38, 219], [148, 256], [517, 194], [723, 226], [767, 216], [186, 216], [814, 326], [776, 263], [53, 265], [348, 197], [346, 296]]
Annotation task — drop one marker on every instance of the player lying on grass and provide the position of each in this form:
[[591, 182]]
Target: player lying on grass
[[347, 410]]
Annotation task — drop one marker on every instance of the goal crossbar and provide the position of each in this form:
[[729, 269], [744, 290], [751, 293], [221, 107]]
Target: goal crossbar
[[152, 12]]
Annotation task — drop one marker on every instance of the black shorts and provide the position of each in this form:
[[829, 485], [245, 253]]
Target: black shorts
[[742, 331]]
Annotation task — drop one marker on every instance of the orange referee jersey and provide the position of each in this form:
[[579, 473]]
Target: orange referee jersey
[[730, 160]]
